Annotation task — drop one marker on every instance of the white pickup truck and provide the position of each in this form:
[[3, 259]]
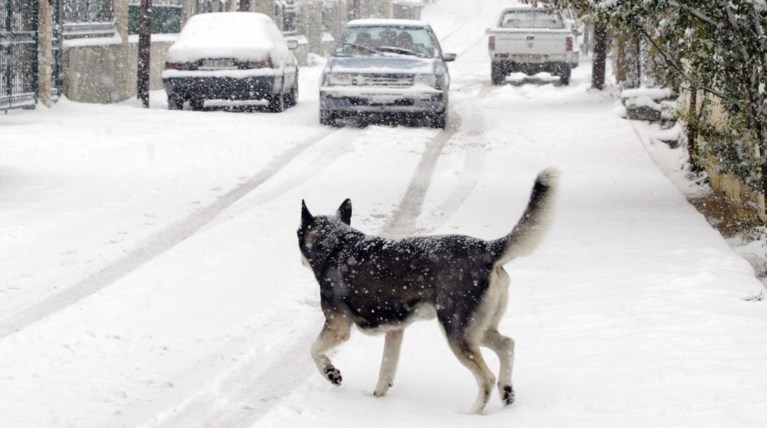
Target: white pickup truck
[[530, 39]]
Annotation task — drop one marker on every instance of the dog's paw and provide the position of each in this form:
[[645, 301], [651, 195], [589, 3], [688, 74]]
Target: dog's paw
[[381, 390], [333, 375], [507, 395]]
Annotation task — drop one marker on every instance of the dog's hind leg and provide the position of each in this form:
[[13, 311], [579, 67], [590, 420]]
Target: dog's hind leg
[[333, 333], [389, 362], [504, 347], [469, 355]]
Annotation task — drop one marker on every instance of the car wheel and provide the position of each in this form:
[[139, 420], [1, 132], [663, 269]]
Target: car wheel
[[197, 103], [292, 98], [175, 102], [276, 103], [327, 117], [438, 120], [497, 74], [564, 75], [294, 91]]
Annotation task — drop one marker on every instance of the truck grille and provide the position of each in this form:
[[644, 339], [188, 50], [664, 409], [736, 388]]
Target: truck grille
[[389, 80]]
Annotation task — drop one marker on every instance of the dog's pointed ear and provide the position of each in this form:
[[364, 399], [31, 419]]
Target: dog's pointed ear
[[344, 212], [306, 216]]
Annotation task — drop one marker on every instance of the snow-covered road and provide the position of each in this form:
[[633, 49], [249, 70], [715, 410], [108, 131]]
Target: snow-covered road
[[149, 273]]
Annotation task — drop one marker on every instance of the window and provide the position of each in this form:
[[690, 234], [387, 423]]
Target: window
[[533, 18], [375, 40]]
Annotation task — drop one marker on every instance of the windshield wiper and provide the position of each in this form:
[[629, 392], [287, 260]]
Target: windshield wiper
[[399, 50], [361, 47]]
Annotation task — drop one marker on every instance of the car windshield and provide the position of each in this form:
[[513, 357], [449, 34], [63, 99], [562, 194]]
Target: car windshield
[[386, 40], [533, 18]]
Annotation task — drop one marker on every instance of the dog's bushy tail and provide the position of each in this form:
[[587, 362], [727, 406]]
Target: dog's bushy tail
[[532, 227]]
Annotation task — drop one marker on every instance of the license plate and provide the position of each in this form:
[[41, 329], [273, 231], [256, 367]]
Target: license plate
[[380, 99], [218, 63], [532, 59]]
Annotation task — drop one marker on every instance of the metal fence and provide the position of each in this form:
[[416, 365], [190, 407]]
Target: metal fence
[[18, 53], [87, 18]]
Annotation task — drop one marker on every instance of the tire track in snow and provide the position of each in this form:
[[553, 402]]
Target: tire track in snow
[[160, 242], [403, 222], [475, 149], [250, 388], [469, 20]]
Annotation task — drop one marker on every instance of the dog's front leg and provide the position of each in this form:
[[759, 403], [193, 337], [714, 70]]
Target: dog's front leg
[[392, 346], [333, 333]]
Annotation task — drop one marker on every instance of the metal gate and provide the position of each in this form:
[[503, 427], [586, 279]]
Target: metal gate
[[18, 53]]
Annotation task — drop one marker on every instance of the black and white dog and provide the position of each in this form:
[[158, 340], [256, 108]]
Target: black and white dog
[[382, 285]]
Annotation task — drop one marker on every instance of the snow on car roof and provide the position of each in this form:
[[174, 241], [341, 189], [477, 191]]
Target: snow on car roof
[[242, 35], [523, 7], [386, 22]]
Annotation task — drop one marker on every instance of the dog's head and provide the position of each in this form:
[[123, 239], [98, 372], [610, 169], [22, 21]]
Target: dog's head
[[318, 234]]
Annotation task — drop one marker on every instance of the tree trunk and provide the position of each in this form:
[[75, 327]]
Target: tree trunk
[[598, 69], [356, 8], [144, 49], [692, 131], [762, 134]]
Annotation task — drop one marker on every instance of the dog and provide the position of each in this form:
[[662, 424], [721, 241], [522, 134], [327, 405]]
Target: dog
[[383, 285]]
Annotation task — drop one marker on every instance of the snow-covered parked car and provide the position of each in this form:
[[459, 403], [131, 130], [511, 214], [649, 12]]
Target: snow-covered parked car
[[231, 56], [390, 67]]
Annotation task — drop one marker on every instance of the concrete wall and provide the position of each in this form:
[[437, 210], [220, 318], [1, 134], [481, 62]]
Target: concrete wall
[[107, 73]]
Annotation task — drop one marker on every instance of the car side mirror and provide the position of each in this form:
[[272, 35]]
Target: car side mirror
[[448, 57], [292, 44]]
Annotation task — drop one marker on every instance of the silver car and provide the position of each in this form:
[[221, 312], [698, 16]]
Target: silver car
[[386, 67]]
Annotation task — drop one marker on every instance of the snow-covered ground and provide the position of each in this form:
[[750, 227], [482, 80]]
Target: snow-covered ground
[[149, 273]]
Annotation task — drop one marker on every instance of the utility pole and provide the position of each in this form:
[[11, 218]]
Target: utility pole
[[144, 51]]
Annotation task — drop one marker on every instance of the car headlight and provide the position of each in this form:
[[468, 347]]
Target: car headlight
[[337, 79], [438, 81], [426, 79]]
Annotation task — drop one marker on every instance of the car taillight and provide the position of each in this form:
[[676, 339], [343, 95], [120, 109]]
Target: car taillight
[[569, 44], [260, 64], [174, 66], [491, 43]]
